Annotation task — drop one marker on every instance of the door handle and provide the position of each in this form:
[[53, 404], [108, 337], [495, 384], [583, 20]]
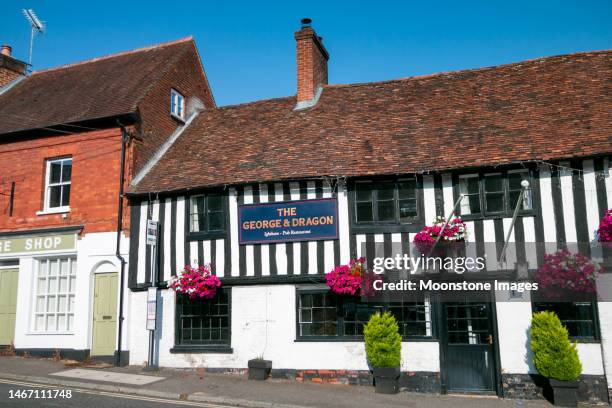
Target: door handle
[[490, 339]]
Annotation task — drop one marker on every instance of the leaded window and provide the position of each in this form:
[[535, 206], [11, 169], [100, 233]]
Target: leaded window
[[386, 202], [580, 318], [207, 213], [494, 193], [322, 314], [204, 321]]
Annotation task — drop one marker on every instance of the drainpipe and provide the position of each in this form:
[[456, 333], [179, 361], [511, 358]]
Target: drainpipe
[[124, 139]]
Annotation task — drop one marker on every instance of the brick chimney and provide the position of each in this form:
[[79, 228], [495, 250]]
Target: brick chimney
[[311, 64], [10, 68]]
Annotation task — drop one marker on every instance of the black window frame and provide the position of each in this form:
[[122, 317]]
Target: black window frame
[[341, 301], [207, 234], [539, 305], [413, 224], [509, 206], [183, 346]]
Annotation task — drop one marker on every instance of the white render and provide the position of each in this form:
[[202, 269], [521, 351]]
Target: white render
[[263, 323], [95, 253]]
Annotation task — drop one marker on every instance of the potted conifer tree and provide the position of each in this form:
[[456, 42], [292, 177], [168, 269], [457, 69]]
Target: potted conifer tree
[[383, 347], [555, 357]]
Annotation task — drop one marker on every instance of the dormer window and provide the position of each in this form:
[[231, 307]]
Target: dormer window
[[177, 104]]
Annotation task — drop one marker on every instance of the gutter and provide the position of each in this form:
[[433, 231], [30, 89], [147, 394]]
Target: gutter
[[124, 139]]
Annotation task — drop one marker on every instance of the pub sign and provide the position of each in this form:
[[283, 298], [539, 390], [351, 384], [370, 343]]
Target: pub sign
[[289, 221]]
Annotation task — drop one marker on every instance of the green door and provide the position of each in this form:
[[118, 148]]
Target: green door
[[105, 314], [8, 305]]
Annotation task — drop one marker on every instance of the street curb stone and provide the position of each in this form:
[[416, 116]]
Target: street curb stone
[[196, 397]]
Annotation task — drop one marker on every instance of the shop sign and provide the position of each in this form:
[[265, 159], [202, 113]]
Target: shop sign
[[288, 221], [18, 245]]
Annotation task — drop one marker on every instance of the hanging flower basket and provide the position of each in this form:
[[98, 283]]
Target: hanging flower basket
[[196, 282], [604, 233], [455, 232], [347, 279], [565, 274]]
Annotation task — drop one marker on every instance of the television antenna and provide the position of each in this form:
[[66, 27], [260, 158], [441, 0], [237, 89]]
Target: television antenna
[[37, 27]]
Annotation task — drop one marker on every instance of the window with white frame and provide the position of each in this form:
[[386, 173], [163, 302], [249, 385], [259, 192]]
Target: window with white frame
[[177, 104], [57, 184], [55, 289]]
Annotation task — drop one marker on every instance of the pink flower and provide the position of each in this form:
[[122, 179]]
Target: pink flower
[[564, 272], [604, 233], [196, 282], [347, 279], [455, 231]]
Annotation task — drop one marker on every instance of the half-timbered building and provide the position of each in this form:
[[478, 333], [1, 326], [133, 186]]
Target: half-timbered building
[[390, 156]]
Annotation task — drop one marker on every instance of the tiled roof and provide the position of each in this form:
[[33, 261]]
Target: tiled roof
[[93, 89], [544, 109]]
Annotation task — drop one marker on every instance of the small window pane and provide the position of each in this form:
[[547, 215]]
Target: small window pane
[[386, 191], [386, 210], [65, 195], [469, 186], [67, 171], [215, 221], [55, 195], [494, 183], [215, 202], [495, 202], [55, 169], [364, 192], [407, 189], [408, 209], [364, 212]]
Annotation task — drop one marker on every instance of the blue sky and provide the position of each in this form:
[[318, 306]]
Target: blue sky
[[248, 48]]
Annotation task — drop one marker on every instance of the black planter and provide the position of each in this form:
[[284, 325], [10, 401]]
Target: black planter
[[259, 369], [564, 392], [386, 380]]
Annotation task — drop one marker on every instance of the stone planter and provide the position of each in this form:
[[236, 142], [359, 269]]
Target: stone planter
[[386, 380], [565, 393], [259, 369]]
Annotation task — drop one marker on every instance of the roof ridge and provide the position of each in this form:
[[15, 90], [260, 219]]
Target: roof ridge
[[117, 54], [469, 70]]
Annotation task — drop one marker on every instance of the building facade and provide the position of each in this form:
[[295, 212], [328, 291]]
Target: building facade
[[70, 140], [390, 157]]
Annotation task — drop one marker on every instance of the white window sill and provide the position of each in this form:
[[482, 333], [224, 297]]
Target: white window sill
[[58, 210], [49, 333]]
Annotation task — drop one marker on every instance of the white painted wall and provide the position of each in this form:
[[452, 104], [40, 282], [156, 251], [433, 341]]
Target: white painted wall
[[91, 251], [514, 322], [263, 323]]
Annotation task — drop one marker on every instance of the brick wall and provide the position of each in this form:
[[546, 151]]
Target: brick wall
[[186, 76], [10, 68], [311, 63], [93, 197]]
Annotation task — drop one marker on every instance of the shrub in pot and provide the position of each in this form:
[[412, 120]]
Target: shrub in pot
[[555, 357], [383, 347], [259, 369]]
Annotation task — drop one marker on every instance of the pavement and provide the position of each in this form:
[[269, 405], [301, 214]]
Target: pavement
[[130, 386]]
